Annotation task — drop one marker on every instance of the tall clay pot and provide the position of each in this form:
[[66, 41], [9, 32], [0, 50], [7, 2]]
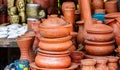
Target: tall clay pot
[[98, 4], [24, 45]]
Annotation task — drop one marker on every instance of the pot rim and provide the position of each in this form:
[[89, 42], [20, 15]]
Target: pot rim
[[24, 38], [99, 43], [98, 32], [56, 39], [51, 53]]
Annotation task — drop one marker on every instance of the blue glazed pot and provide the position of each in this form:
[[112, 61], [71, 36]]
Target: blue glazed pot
[[20, 65], [99, 16]]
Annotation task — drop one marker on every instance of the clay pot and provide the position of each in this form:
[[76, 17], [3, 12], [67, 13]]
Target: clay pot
[[24, 44], [55, 44], [54, 27], [112, 15], [111, 6], [76, 56], [68, 5], [73, 66], [100, 33], [47, 59], [113, 63], [99, 48], [77, 15], [99, 11], [98, 4], [72, 48], [101, 64], [88, 64], [117, 39]]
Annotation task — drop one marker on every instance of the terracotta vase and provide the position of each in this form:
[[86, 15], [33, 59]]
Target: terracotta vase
[[99, 48], [111, 6], [113, 63], [100, 33], [73, 66], [98, 4], [76, 56], [80, 38], [54, 27], [47, 59], [88, 64], [101, 64], [24, 44], [55, 44]]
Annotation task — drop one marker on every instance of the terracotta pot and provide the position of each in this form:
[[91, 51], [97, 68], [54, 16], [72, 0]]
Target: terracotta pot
[[47, 59], [111, 6], [100, 11], [101, 64], [80, 38], [73, 66], [98, 4], [72, 48], [24, 44], [117, 39], [100, 33], [76, 56], [88, 64], [112, 15], [99, 48], [54, 27], [113, 63], [55, 44], [77, 15]]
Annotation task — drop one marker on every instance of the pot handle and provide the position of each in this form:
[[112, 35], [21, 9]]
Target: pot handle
[[73, 34], [10, 66]]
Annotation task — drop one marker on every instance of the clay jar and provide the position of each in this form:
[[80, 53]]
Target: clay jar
[[76, 56], [101, 64], [100, 33], [47, 59], [99, 48], [88, 64], [98, 4], [113, 63], [111, 6], [54, 27], [55, 44]]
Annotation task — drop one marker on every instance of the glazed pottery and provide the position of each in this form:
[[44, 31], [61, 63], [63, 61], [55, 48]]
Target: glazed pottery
[[20, 65], [100, 33], [14, 19], [112, 62], [54, 27], [24, 45], [111, 6], [80, 38], [47, 59], [101, 64], [73, 66], [88, 64], [55, 44], [98, 4], [76, 56], [99, 48]]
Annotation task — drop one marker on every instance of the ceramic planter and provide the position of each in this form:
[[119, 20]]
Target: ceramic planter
[[55, 44], [47, 59], [99, 48]]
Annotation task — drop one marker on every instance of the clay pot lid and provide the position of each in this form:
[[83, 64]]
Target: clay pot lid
[[88, 62], [53, 21], [112, 15], [112, 59], [71, 67], [99, 43], [53, 53], [99, 28]]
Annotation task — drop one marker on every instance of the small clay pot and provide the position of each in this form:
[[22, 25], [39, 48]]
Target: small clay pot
[[76, 56], [111, 6], [99, 48], [98, 4], [47, 59], [55, 44]]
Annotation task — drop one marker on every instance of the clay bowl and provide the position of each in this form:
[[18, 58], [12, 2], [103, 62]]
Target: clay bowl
[[72, 67]]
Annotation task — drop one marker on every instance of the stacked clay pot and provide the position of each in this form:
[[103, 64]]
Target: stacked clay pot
[[54, 43], [99, 40]]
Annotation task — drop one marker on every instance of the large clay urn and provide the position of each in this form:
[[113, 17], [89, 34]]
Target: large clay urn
[[47, 59], [100, 32], [24, 44], [88, 64], [55, 44], [54, 27], [98, 4], [99, 48]]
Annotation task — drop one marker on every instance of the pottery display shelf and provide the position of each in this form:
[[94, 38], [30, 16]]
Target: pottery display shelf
[[72, 67]]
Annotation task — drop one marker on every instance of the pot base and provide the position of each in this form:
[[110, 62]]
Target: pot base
[[72, 67]]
